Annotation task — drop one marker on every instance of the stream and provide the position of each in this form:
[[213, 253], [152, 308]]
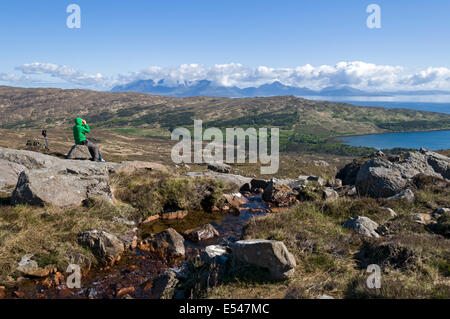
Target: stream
[[134, 273]]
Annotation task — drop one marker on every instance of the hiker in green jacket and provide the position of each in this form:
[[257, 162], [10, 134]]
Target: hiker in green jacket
[[79, 134]]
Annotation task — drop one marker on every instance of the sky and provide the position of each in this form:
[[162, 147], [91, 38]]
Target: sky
[[304, 43]]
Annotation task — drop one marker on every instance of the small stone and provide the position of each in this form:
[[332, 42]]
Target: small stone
[[364, 225], [125, 291], [201, 233], [30, 267], [219, 167], [330, 194], [423, 219], [390, 211], [407, 195]]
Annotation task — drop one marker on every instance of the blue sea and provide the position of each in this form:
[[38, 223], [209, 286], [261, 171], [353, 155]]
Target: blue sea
[[436, 140]]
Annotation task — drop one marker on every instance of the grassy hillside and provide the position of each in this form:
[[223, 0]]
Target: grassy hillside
[[305, 125]]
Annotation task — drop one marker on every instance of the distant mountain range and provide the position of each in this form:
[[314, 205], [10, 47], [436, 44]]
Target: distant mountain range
[[208, 88]]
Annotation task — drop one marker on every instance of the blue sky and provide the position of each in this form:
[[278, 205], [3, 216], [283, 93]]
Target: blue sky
[[120, 40]]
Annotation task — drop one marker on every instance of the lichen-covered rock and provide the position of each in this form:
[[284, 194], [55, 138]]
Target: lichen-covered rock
[[386, 177], [67, 184], [269, 254]]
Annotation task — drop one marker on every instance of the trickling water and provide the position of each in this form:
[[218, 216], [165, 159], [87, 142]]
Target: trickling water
[[137, 268]]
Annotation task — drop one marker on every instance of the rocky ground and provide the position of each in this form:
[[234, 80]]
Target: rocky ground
[[147, 230]]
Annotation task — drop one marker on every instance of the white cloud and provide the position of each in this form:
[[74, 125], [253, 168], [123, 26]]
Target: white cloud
[[65, 73], [357, 74]]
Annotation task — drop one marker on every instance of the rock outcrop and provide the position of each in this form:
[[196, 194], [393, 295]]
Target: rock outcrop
[[65, 184], [269, 254], [42, 179], [386, 177], [237, 180], [129, 167]]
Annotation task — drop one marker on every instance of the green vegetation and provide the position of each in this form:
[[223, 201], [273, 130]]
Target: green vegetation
[[305, 126], [332, 260], [155, 192]]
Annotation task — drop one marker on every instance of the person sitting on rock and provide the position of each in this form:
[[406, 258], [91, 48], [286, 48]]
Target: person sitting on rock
[[79, 134]]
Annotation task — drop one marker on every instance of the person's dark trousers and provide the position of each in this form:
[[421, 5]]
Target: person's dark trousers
[[93, 149]]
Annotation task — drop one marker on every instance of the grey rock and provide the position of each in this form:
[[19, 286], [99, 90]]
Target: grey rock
[[164, 285], [237, 180], [79, 152], [441, 211], [201, 233], [364, 225], [169, 242], [330, 194], [67, 184], [406, 194], [219, 167], [390, 211], [269, 254], [106, 247], [380, 177], [334, 182], [31, 268], [43, 179], [9, 172]]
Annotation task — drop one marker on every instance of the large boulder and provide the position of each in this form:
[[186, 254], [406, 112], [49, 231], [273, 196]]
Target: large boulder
[[43, 179], [79, 152], [66, 184], [269, 254], [386, 177], [106, 247], [28, 159]]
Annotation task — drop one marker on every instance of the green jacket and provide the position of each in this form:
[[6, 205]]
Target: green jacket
[[79, 131]]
